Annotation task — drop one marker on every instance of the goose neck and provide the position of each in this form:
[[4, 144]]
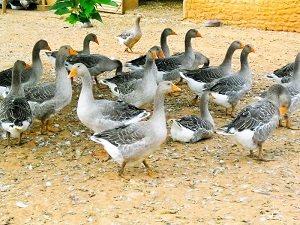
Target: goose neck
[[158, 108]]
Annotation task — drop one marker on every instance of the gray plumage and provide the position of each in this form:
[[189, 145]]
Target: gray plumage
[[61, 95], [15, 112], [29, 76], [138, 140], [196, 78], [85, 51], [169, 68], [192, 128], [139, 62], [140, 92], [293, 87], [100, 115], [227, 91], [283, 74], [130, 37], [254, 123]]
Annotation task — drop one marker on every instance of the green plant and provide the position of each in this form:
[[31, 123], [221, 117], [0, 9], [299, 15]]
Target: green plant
[[80, 10]]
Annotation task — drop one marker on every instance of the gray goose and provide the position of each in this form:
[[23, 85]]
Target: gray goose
[[198, 77], [283, 74], [15, 112], [100, 115], [139, 62], [227, 91], [29, 76], [136, 141], [192, 128], [96, 64], [140, 92], [294, 89], [126, 82], [254, 123], [169, 68], [85, 51], [52, 97], [130, 37]]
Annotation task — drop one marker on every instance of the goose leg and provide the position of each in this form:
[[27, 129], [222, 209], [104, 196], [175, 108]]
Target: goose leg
[[121, 171], [233, 111], [194, 101], [20, 138], [8, 138], [150, 172], [43, 129], [51, 128], [288, 124], [260, 154]]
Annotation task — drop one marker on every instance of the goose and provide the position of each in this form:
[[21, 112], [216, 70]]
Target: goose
[[29, 76], [140, 92], [101, 115], [130, 37], [254, 123], [198, 77], [294, 89], [50, 102], [283, 74], [96, 64], [227, 91], [85, 51], [125, 80], [192, 128], [169, 68], [139, 62], [15, 112], [136, 141]]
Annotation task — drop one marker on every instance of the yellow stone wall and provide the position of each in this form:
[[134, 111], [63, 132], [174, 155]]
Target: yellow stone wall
[[278, 15]]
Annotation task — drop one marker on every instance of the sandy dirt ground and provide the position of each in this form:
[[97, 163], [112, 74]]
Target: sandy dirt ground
[[60, 178]]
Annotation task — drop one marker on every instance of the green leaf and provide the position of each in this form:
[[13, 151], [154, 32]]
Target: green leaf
[[96, 16], [106, 2], [62, 11], [73, 18], [87, 6], [59, 5]]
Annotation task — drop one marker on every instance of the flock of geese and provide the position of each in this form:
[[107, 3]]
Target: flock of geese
[[120, 126]]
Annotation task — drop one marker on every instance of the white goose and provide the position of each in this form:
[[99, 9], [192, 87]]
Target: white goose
[[136, 141], [101, 115]]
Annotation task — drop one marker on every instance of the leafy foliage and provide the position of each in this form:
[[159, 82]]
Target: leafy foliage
[[80, 10]]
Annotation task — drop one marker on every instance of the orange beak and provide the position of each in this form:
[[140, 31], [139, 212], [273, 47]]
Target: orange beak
[[72, 73], [252, 49], [283, 110], [161, 54], [48, 48], [175, 88], [27, 65], [154, 55], [173, 33], [213, 97], [198, 34], [96, 40], [242, 46], [72, 52]]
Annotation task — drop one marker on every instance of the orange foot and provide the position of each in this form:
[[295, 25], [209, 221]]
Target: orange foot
[[102, 154]]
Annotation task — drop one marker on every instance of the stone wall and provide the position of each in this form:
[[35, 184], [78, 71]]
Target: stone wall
[[278, 15]]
